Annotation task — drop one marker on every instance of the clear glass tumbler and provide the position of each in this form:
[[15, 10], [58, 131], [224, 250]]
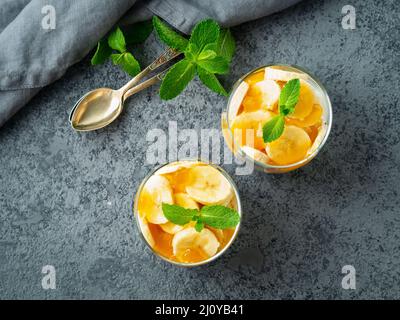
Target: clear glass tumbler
[[321, 94], [144, 229]]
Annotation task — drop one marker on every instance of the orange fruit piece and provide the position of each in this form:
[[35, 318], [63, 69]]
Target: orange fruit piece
[[306, 101], [312, 119], [247, 128], [290, 147]]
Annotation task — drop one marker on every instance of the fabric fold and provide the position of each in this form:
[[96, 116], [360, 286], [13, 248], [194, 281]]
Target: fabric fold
[[31, 57]]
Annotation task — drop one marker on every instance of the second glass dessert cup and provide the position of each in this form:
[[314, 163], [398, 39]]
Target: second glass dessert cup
[[270, 80], [190, 184]]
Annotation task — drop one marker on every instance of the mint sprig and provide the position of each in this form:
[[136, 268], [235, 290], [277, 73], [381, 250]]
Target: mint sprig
[[288, 99], [209, 51], [177, 78], [169, 36], [115, 47], [218, 217]]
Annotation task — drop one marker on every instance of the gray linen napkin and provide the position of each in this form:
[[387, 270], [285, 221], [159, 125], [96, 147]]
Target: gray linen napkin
[[31, 57]]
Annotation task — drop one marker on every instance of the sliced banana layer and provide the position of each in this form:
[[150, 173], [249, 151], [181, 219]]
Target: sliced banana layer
[[281, 75], [189, 239], [171, 228], [313, 118], [256, 154], [174, 167], [156, 191], [236, 100], [208, 186], [290, 147], [306, 101], [247, 128], [218, 233], [144, 227], [270, 92]]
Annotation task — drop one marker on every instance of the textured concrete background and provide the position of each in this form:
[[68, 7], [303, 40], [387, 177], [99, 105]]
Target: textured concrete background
[[65, 198]]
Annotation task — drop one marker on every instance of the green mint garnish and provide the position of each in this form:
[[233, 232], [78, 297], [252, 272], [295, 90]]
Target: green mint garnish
[[204, 33], [103, 52], [169, 36], [218, 217], [176, 79], [273, 129], [115, 47], [177, 214], [289, 96], [226, 45], [288, 99], [211, 81], [208, 53], [129, 64], [116, 40], [199, 226]]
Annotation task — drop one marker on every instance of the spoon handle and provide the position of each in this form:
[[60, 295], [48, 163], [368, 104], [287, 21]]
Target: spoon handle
[[145, 84], [167, 56]]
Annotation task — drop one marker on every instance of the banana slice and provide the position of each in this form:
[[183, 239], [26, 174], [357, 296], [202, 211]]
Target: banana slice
[[290, 147], [189, 239], [208, 186], [272, 73], [183, 200], [218, 233], [255, 154], [156, 191], [174, 167], [255, 77], [313, 118], [306, 102], [247, 127], [262, 95], [236, 100], [144, 227], [270, 92]]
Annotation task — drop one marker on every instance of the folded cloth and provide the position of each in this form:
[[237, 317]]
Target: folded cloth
[[42, 38]]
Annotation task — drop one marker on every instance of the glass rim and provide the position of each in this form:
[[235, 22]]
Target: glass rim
[[218, 254], [328, 124]]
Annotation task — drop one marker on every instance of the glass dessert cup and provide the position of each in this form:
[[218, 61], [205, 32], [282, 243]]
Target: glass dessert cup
[[254, 100], [190, 184]]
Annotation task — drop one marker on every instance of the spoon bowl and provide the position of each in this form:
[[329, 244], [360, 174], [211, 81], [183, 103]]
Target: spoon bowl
[[97, 109]]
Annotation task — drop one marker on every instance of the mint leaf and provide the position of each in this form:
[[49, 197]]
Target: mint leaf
[[169, 36], [138, 32], [205, 32], [211, 81], [273, 129], [207, 55], [217, 65], [199, 226], [192, 52], [130, 64], [176, 79], [116, 58], [226, 45], [116, 40], [103, 52], [289, 96], [219, 217], [177, 214]]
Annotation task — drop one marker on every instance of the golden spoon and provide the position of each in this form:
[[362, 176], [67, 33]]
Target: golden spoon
[[100, 107]]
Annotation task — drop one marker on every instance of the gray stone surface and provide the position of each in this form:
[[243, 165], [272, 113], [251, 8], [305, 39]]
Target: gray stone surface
[[65, 198]]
